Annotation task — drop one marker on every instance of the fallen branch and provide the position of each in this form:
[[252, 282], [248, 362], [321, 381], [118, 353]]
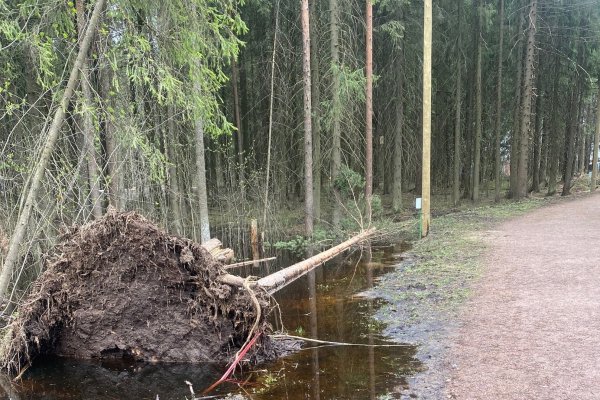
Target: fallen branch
[[249, 262]]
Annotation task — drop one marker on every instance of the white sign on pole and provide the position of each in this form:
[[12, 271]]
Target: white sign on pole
[[418, 203]]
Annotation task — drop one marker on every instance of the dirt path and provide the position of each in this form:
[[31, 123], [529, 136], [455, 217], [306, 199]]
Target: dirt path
[[532, 329]]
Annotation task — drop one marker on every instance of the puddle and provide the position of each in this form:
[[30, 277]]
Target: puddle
[[323, 304]]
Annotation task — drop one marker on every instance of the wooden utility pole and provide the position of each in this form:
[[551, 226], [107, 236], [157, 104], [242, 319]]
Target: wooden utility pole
[[596, 140], [308, 159], [44, 157], [426, 173], [369, 112]]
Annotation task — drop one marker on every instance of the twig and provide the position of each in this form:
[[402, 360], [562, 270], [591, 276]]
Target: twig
[[330, 343]]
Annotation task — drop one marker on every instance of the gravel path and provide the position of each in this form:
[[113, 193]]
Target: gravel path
[[532, 328]]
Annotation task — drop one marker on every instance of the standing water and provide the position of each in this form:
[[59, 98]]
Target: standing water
[[324, 305]]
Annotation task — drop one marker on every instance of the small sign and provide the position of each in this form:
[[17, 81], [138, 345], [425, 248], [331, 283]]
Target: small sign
[[418, 203]]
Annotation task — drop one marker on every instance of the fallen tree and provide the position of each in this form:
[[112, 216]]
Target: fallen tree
[[122, 287], [277, 280]]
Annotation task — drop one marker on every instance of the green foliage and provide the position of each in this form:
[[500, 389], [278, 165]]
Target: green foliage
[[349, 182]]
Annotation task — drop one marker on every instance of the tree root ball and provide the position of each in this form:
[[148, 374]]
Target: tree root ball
[[122, 287]]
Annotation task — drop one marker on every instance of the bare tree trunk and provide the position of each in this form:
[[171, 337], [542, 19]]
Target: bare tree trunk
[[553, 135], [112, 148], [53, 131], [238, 124], [89, 132], [398, 137], [308, 157], [169, 142], [369, 111], [201, 182], [596, 143], [457, 115], [271, 100], [498, 160], [537, 142], [570, 138], [316, 109], [426, 171], [514, 140], [478, 107], [336, 150], [527, 98]]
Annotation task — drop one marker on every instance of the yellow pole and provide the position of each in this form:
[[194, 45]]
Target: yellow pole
[[426, 215]]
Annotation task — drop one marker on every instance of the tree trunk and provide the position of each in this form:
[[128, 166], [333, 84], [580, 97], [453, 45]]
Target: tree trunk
[[308, 157], [89, 131], [426, 173], [238, 124], [112, 148], [316, 109], [537, 142], [53, 131], [514, 139], [169, 142], [398, 137], [570, 142], [553, 135], [527, 98], [336, 147], [369, 111], [498, 127], [478, 106], [596, 143], [201, 182], [457, 110]]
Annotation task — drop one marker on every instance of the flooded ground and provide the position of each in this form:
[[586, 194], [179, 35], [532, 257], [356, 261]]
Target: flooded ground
[[325, 304]]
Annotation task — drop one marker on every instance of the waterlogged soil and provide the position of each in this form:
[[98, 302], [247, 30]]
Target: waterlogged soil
[[328, 304]]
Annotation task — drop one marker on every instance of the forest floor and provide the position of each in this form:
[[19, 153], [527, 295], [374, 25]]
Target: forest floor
[[503, 301]]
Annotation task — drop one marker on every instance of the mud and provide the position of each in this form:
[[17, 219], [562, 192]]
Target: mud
[[122, 287]]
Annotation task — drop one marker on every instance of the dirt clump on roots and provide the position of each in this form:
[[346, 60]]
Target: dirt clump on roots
[[122, 287]]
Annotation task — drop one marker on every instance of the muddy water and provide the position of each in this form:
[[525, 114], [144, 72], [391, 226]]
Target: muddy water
[[324, 304]]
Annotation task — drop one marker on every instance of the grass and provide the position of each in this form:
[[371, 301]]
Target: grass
[[429, 289]]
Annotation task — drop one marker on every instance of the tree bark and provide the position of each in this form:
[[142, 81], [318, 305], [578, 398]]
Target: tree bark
[[369, 111], [457, 111], [316, 109], [399, 132], [514, 140], [238, 124], [53, 131], [336, 147], [308, 156], [426, 173], [537, 142], [498, 127], [174, 193], [202, 192], [478, 107], [570, 142], [527, 98]]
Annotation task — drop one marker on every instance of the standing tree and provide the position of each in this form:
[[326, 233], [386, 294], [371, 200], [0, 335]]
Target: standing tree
[[308, 158], [527, 99], [369, 111], [498, 126]]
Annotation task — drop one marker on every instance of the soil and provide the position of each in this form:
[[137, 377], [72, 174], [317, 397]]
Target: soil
[[530, 331], [122, 287]]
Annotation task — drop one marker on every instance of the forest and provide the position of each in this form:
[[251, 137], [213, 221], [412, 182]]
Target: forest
[[304, 115]]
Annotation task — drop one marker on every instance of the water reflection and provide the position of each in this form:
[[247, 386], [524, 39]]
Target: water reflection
[[322, 305]]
